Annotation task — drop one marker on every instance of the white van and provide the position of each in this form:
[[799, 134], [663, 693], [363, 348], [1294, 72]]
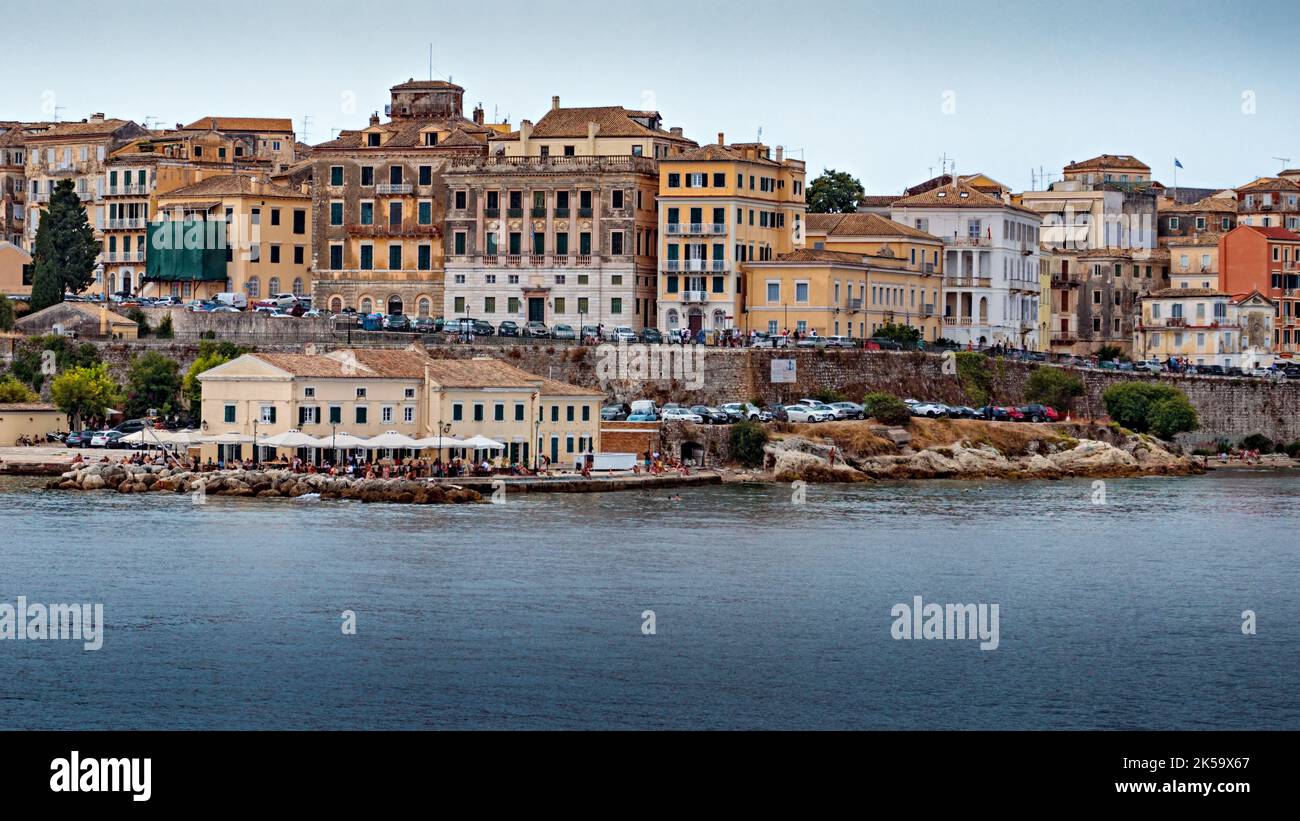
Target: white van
[[234, 299], [644, 406]]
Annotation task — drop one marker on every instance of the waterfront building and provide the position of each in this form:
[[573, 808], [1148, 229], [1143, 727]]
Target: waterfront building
[[31, 419], [557, 223], [838, 293], [1205, 326], [991, 263], [365, 392], [1266, 259], [721, 208], [909, 264], [253, 237], [13, 187], [380, 199]]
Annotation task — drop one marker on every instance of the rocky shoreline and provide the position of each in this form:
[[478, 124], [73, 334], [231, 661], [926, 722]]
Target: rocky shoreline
[[259, 484], [951, 449]]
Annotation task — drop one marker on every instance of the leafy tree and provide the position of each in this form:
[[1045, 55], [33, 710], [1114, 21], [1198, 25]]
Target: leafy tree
[[154, 382], [30, 357], [1053, 387], [65, 249], [747, 441], [886, 408], [973, 372], [1259, 442], [141, 321], [12, 390], [1107, 353], [211, 354], [165, 329], [1171, 416], [84, 392], [6, 313], [904, 335], [834, 192], [1130, 404]]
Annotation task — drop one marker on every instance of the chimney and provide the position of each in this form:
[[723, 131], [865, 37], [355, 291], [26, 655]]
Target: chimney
[[525, 131], [374, 118], [478, 114], [780, 153], [721, 139], [676, 131], [97, 117], [555, 102]]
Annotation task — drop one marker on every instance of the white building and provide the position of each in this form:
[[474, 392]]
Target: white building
[[990, 266]]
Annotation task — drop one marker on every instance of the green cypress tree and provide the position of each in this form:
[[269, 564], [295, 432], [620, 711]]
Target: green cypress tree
[[65, 249]]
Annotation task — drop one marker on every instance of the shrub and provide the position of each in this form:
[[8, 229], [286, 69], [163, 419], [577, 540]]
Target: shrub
[[1107, 353], [165, 330], [886, 408], [747, 441], [12, 390], [972, 370], [1053, 386], [1171, 416], [6, 313], [1259, 442], [1129, 403], [141, 321], [1292, 448]]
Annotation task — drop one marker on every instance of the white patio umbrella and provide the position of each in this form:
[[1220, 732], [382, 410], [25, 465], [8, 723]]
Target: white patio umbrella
[[482, 443], [343, 441], [189, 436], [292, 439], [439, 442], [230, 438], [391, 439], [147, 436]]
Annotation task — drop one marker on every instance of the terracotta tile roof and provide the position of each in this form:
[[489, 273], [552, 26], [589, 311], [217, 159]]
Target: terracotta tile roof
[[426, 85], [1273, 232], [611, 120], [405, 134], [231, 185], [1109, 161], [878, 200], [863, 225], [459, 137], [1203, 238], [712, 152], [1269, 184], [1224, 205], [241, 124], [957, 195], [1237, 299], [816, 255], [554, 387], [88, 128]]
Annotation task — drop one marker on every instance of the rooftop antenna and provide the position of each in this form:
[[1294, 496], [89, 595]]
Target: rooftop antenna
[[148, 118], [1284, 160], [431, 62], [760, 135], [306, 128]]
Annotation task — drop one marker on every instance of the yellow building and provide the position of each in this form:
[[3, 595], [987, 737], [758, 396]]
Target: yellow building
[[911, 258], [722, 207], [264, 230], [13, 267], [1205, 326], [366, 392], [30, 419], [835, 293], [1194, 261]]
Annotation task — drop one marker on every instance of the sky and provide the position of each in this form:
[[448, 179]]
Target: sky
[[880, 89]]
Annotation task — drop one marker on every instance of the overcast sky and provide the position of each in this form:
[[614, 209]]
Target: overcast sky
[[878, 89]]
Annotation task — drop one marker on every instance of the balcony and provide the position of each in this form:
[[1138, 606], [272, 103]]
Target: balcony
[[971, 242], [584, 212], [385, 230], [514, 260], [959, 321], [855, 305], [129, 224], [561, 213], [514, 213], [718, 265], [539, 212], [695, 296], [393, 188], [492, 212], [552, 165], [967, 282]]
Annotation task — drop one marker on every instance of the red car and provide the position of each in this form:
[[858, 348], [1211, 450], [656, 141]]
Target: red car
[[1038, 413]]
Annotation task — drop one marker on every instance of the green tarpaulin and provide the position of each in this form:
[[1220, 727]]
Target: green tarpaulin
[[186, 251]]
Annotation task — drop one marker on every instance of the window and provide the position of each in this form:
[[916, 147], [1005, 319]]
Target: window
[[336, 175], [773, 292], [408, 414], [361, 414], [336, 213], [499, 412], [478, 411], [386, 414], [801, 292], [229, 413], [457, 412]]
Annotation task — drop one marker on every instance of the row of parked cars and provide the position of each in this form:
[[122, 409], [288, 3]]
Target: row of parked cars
[[993, 413], [108, 437]]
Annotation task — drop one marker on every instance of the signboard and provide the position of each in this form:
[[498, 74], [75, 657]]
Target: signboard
[[783, 371]]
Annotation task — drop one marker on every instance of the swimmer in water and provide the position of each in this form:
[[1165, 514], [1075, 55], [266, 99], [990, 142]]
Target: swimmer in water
[[674, 498]]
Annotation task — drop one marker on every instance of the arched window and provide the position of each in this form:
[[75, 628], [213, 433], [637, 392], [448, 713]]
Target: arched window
[[366, 304], [297, 286], [253, 287], [336, 304], [424, 306], [719, 319], [672, 319], [984, 309], [274, 288]]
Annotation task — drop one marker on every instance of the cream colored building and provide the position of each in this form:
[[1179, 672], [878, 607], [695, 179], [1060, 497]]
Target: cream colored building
[[30, 419], [13, 260], [367, 392], [1205, 326]]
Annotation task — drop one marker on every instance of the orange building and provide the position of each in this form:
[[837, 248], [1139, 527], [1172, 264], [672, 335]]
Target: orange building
[[1267, 259]]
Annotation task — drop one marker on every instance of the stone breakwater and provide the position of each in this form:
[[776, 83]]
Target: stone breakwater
[[258, 484]]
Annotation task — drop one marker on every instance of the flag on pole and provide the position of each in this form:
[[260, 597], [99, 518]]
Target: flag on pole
[[1177, 164]]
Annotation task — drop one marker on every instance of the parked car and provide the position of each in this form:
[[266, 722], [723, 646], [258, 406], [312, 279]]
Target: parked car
[[78, 439], [962, 412], [931, 409], [235, 299], [481, 327], [508, 328], [841, 342], [101, 439], [847, 410], [564, 332], [623, 333], [537, 330], [712, 416], [763, 340], [882, 343], [591, 332], [805, 413], [1039, 413], [745, 410], [643, 417], [1211, 370], [681, 415], [613, 413], [423, 325], [819, 405], [223, 309], [397, 322], [651, 336], [994, 413], [1108, 365], [131, 426], [811, 342]]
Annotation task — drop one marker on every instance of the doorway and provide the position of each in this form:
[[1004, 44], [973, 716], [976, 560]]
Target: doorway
[[536, 309]]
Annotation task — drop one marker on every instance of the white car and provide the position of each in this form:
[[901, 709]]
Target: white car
[[100, 439], [804, 413], [930, 409], [681, 415], [746, 410], [822, 406], [623, 334]]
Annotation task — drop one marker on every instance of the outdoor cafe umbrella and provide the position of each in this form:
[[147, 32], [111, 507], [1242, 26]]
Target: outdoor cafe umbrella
[[482, 443], [148, 436], [438, 442], [189, 436], [292, 439], [391, 440], [229, 438]]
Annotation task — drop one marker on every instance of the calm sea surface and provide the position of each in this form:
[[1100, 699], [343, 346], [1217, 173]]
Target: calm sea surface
[[767, 614]]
